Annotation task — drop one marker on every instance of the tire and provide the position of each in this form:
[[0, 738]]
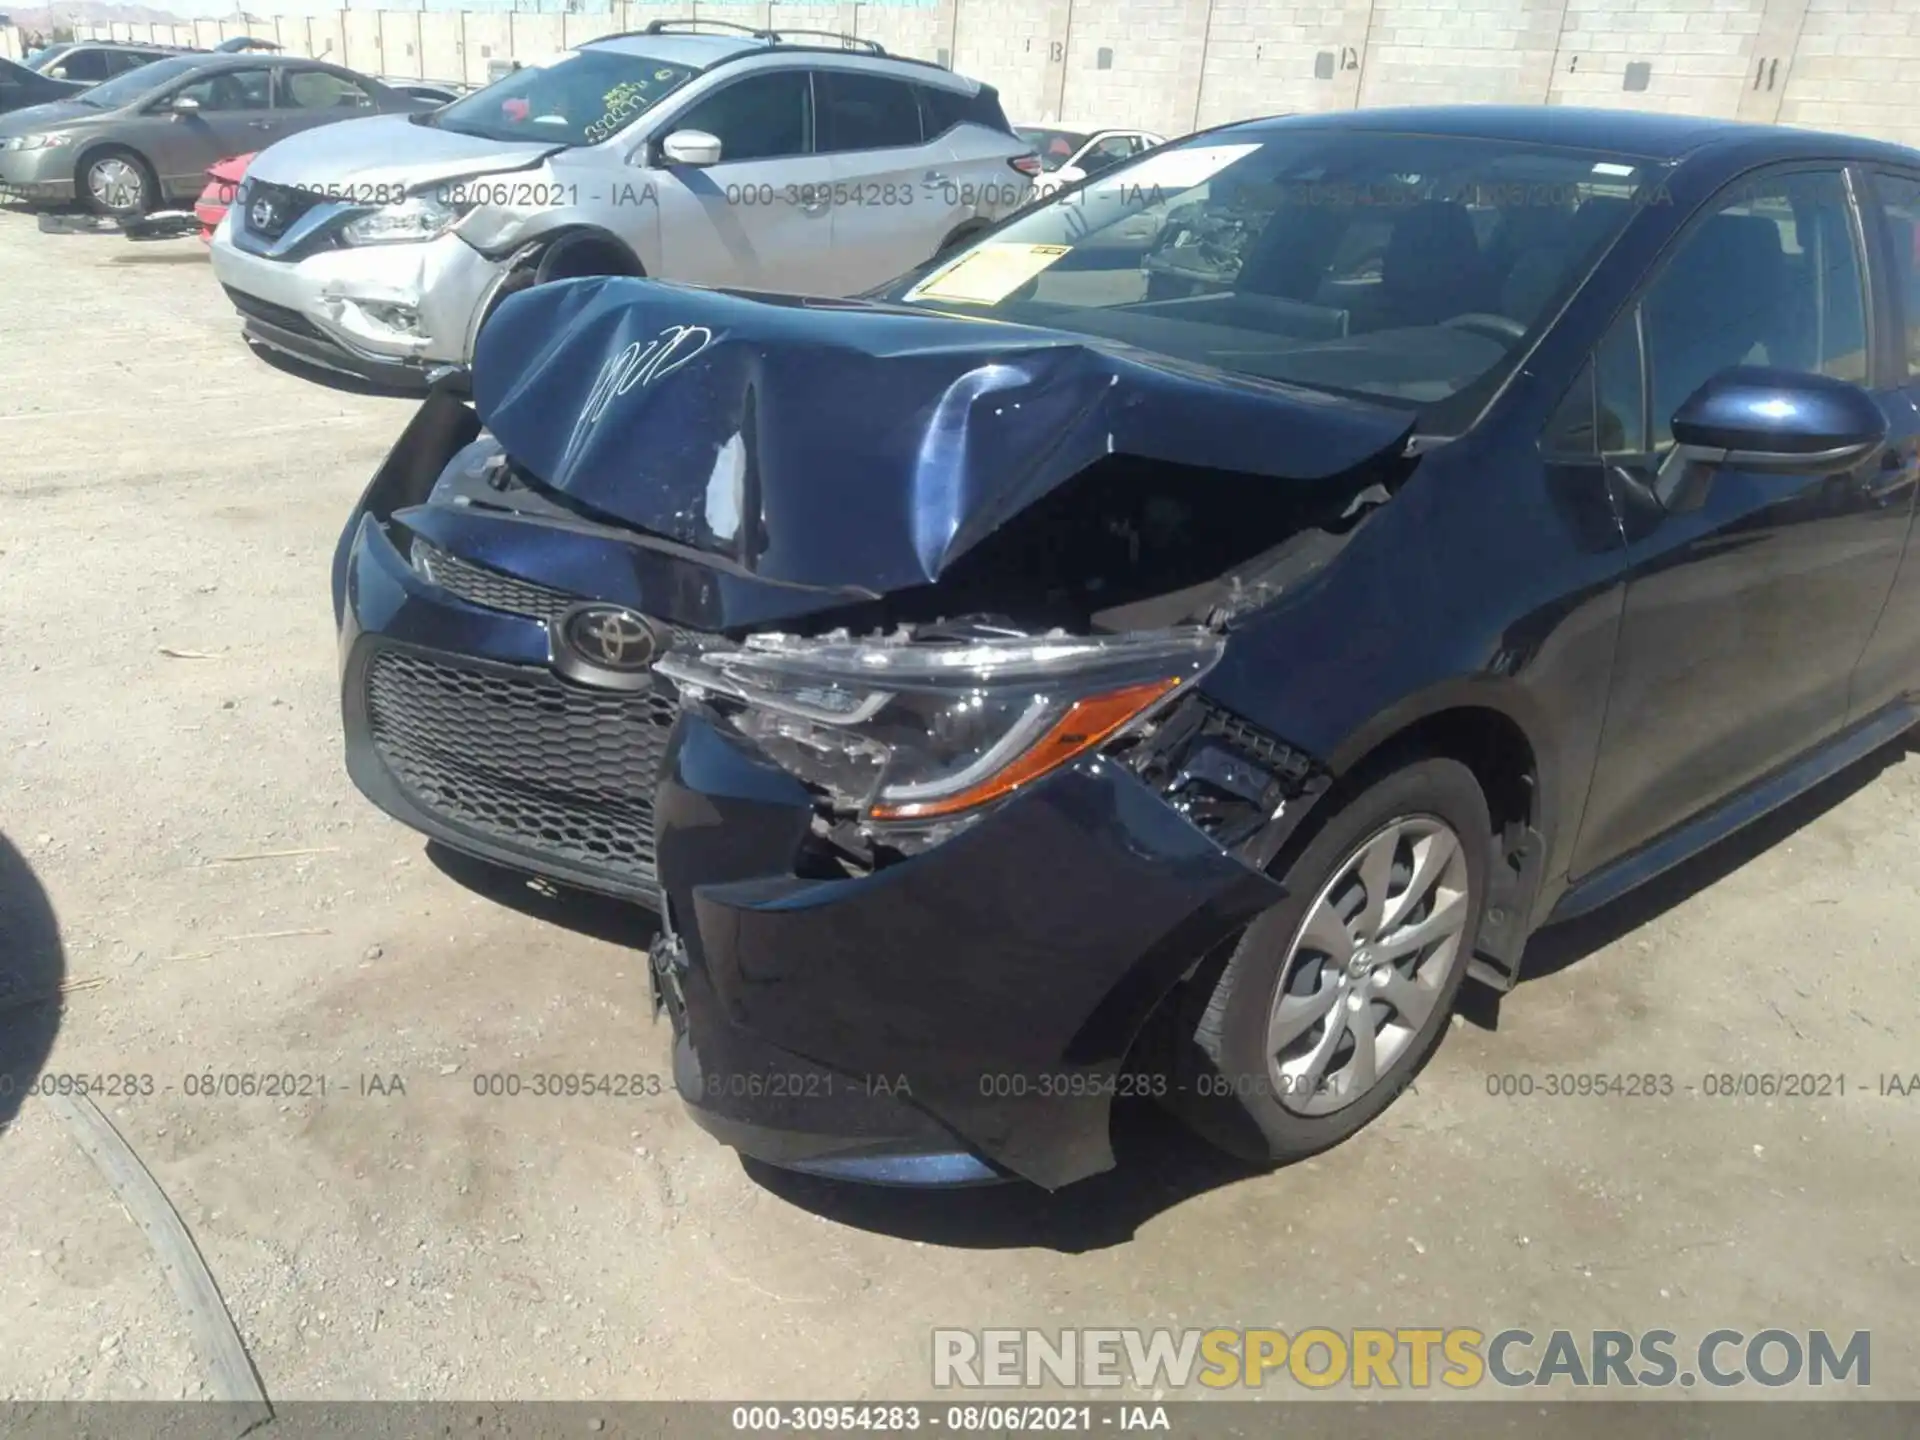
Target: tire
[[118, 183], [1226, 1088]]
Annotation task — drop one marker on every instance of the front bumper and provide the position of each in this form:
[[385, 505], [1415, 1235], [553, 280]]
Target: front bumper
[[978, 1000], [333, 307], [43, 176], [959, 1016]]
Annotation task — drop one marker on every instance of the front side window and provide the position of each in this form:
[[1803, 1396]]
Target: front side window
[[121, 61], [321, 90], [1771, 277], [1406, 268], [1900, 209], [232, 90], [580, 98], [763, 117], [865, 112]]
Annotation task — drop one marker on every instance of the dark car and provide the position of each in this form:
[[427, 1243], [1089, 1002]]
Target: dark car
[[21, 87], [91, 61], [1015, 693], [125, 146]]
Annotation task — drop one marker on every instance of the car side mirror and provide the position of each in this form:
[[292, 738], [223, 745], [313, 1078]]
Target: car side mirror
[[1755, 417], [58, 72], [691, 147], [185, 105]]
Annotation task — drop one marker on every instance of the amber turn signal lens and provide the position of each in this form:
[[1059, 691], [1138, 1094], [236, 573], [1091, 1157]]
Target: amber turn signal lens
[[1087, 724]]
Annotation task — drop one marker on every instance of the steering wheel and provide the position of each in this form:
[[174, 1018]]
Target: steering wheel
[[1480, 322]]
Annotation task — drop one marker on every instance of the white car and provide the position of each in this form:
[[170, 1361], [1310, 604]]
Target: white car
[[1069, 153], [750, 159]]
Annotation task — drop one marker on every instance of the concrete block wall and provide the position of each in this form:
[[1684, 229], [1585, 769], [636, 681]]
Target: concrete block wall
[[1174, 65]]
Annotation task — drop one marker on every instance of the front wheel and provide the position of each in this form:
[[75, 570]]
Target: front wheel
[[1334, 998], [119, 184]]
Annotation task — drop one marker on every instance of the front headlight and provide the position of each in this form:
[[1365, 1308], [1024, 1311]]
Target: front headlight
[[418, 217], [907, 729], [42, 140]]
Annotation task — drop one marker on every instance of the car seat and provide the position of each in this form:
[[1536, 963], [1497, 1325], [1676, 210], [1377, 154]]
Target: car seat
[[1433, 267]]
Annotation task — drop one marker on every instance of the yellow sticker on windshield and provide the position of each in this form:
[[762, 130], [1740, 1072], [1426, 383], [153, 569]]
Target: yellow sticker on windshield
[[989, 274]]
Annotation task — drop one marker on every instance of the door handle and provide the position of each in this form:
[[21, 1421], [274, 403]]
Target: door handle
[[259, 124], [813, 207], [936, 177]]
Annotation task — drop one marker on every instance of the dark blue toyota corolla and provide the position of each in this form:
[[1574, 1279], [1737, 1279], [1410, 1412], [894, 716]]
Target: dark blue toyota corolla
[[1169, 644]]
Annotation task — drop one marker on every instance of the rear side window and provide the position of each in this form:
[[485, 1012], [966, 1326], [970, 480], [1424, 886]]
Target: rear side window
[[121, 61], [942, 109], [865, 112], [321, 90]]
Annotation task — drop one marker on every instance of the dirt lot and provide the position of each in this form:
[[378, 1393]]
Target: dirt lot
[[165, 491]]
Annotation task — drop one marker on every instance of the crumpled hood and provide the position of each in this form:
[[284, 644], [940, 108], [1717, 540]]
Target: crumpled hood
[[387, 150], [845, 443]]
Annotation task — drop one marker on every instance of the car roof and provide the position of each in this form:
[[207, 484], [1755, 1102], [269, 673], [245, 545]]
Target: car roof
[[1643, 134]]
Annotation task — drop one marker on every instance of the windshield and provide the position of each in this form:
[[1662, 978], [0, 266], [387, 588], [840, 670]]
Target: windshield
[[125, 88], [580, 98], [1055, 147], [1403, 268]]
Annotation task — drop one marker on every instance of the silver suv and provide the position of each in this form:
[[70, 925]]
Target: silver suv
[[752, 159]]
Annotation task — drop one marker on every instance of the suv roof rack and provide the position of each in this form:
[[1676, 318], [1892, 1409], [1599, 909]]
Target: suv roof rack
[[847, 42], [771, 37], [667, 27]]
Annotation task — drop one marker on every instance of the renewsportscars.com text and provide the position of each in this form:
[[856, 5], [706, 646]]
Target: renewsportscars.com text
[[1458, 1358]]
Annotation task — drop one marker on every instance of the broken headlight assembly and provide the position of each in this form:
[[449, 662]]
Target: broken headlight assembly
[[913, 735]]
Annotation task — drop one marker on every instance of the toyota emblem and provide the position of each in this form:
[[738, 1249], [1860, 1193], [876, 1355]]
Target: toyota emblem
[[261, 214], [606, 645]]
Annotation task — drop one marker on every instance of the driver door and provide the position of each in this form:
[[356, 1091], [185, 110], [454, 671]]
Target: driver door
[[763, 217], [235, 118], [1745, 613]]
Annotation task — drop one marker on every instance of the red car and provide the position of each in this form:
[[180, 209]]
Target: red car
[[223, 183]]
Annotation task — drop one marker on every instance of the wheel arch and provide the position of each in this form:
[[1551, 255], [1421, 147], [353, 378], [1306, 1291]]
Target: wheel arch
[[1500, 734], [533, 261]]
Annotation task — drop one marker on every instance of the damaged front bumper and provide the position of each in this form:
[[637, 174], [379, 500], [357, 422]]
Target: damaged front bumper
[[386, 313], [959, 1015]]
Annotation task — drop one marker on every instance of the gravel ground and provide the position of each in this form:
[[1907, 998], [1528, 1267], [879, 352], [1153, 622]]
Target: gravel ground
[[166, 491]]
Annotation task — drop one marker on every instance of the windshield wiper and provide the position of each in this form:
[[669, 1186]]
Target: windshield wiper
[[425, 117]]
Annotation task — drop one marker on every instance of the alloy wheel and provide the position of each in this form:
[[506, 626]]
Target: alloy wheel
[[115, 183], [1368, 965]]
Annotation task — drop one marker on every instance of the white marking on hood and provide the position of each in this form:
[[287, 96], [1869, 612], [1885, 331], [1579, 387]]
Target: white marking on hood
[[726, 488]]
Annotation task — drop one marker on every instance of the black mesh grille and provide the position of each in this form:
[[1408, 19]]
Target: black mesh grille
[[522, 759], [280, 316], [478, 585], [270, 209]]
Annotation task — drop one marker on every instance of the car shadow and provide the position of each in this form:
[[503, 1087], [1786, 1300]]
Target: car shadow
[[162, 252], [597, 916], [32, 970], [1159, 1162], [333, 379], [1558, 946]]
